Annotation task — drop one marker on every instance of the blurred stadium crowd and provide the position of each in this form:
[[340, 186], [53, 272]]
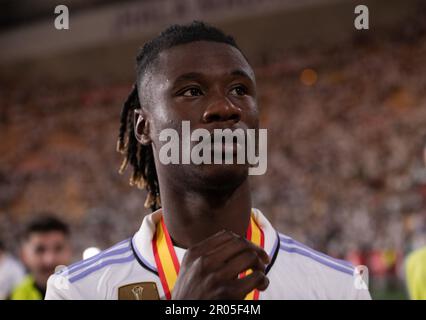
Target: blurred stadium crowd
[[346, 127]]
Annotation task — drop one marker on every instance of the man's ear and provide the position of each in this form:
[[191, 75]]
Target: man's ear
[[141, 127]]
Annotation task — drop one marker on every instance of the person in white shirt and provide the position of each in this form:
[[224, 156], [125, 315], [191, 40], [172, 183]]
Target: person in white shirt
[[294, 272], [11, 273], [204, 240]]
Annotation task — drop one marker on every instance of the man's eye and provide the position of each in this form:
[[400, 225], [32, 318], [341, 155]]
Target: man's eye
[[192, 92], [40, 249], [239, 91], [59, 248]]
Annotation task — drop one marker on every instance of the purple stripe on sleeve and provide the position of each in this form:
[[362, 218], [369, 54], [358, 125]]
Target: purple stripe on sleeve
[[100, 266], [297, 243], [86, 263], [320, 260], [97, 255]]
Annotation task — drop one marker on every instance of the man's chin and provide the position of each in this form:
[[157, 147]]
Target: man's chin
[[224, 175], [45, 275]]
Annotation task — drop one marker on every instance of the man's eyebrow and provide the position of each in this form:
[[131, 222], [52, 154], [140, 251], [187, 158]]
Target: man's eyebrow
[[197, 76], [240, 73], [188, 77]]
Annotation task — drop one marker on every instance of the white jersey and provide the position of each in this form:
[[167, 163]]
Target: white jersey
[[11, 274], [295, 271]]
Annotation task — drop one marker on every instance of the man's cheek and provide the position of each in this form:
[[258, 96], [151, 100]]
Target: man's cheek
[[37, 263], [64, 258], [251, 114]]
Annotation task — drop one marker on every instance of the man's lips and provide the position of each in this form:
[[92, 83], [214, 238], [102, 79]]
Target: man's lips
[[226, 148], [224, 145]]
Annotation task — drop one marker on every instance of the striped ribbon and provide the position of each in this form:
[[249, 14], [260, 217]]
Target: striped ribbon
[[168, 264], [255, 235]]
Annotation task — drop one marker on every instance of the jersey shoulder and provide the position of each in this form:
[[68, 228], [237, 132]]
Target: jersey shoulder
[[92, 278], [321, 275], [313, 258]]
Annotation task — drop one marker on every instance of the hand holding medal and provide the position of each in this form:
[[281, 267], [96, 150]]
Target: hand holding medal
[[211, 269]]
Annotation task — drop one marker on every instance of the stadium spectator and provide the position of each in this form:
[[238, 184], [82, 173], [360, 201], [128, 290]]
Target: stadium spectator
[[415, 268], [45, 245]]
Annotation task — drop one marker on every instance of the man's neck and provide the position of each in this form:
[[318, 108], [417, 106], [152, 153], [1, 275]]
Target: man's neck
[[41, 287], [192, 216]]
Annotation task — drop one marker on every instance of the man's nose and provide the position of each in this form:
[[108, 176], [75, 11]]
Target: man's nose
[[49, 258], [222, 110]]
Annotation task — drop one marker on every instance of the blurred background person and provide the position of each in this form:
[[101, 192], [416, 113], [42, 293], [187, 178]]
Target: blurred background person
[[416, 274], [415, 266], [11, 272], [45, 245]]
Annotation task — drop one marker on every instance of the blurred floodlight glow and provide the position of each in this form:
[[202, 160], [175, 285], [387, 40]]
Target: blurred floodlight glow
[[308, 77], [90, 252]]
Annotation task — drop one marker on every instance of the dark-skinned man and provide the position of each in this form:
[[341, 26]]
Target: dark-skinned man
[[204, 240]]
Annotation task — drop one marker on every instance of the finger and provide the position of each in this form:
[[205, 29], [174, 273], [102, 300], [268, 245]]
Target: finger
[[255, 280], [232, 248], [250, 245], [241, 263], [210, 243]]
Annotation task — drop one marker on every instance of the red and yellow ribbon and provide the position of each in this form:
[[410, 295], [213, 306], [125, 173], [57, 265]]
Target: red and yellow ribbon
[[165, 257], [168, 264], [255, 235]]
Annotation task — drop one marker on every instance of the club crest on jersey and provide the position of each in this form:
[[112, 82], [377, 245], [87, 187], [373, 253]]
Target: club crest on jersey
[[139, 291]]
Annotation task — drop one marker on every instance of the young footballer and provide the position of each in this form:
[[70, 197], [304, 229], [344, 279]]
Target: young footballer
[[204, 240]]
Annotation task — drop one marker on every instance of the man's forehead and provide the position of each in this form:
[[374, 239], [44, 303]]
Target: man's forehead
[[46, 236], [202, 57]]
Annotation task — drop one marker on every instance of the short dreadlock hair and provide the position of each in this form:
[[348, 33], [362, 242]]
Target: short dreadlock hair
[[140, 156]]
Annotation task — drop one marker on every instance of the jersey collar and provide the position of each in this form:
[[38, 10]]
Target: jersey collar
[[142, 248]]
